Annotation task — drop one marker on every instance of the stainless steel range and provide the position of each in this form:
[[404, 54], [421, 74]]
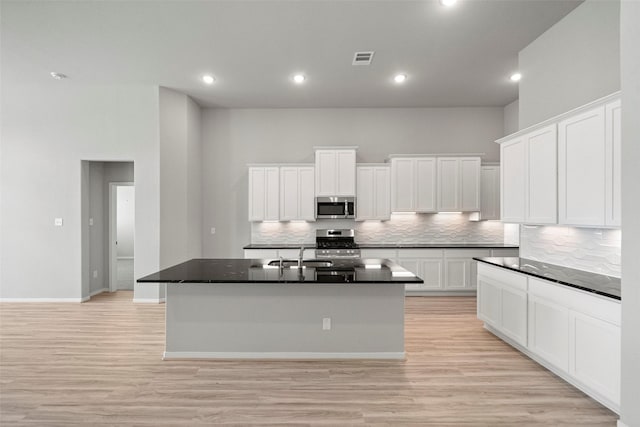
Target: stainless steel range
[[336, 244]]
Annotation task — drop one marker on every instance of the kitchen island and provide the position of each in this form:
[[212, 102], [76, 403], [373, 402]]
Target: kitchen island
[[258, 309]]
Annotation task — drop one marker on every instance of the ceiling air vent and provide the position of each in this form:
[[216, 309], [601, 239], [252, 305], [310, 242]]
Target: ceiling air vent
[[362, 58]]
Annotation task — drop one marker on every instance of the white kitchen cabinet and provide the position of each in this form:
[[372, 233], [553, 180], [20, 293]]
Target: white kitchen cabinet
[[264, 193], [573, 332], [613, 159], [581, 168], [502, 301], [373, 193], [458, 184], [541, 176], [513, 168], [529, 177], [490, 192], [335, 172], [413, 184], [594, 353], [296, 193], [272, 254], [424, 263], [261, 253]]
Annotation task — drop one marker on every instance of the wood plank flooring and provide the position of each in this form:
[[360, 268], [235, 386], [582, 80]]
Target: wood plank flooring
[[99, 363]]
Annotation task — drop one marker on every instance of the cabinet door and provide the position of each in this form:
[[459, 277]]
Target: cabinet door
[[425, 185], [581, 169], [490, 192], [457, 273], [489, 302], [346, 173], [514, 314], [412, 265], [326, 173], [513, 170], [448, 184], [289, 192], [403, 185], [613, 164], [431, 270], [470, 184], [542, 176], [365, 195], [549, 331], [306, 199], [382, 193], [263, 193], [595, 354]]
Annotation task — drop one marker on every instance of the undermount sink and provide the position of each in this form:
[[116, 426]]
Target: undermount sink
[[311, 263]]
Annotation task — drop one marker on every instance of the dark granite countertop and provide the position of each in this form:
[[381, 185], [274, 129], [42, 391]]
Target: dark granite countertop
[[394, 246], [437, 246], [223, 270], [600, 284]]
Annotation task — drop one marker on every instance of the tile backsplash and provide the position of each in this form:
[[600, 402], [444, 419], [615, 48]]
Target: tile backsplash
[[401, 229], [590, 249]]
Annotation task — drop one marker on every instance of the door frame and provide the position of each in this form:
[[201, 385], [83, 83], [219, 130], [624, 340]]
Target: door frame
[[113, 216]]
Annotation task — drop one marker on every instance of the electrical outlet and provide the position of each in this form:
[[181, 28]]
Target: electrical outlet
[[57, 222], [90, 221], [326, 324], [213, 230], [95, 274]]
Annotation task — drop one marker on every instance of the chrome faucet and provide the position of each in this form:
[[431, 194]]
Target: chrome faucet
[[300, 255]]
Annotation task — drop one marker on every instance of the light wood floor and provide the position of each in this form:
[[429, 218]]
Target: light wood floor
[[99, 363]]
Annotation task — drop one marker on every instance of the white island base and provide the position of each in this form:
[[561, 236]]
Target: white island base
[[284, 321]]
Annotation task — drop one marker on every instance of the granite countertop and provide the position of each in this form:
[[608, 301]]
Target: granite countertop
[[600, 284], [230, 270], [394, 246]]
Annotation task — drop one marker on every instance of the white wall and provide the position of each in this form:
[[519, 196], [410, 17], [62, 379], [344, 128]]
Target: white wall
[[511, 117], [46, 131], [180, 178], [630, 59], [234, 137], [574, 62]]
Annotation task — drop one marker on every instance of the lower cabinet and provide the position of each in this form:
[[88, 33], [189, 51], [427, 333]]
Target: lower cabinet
[[572, 332], [424, 263], [309, 253]]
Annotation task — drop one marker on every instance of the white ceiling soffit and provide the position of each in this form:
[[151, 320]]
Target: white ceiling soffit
[[458, 56]]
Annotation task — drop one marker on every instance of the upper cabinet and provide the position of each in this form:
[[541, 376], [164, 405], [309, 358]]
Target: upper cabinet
[[589, 167], [413, 184], [374, 192], [335, 172], [529, 177], [264, 193], [565, 170], [458, 184], [296, 193], [490, 192]]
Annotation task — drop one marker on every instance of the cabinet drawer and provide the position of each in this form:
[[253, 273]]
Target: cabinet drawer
[[420, 253], [505, 277], [466, 253], [581, 301]]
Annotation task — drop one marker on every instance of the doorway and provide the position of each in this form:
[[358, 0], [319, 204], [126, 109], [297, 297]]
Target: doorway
[[121, 235]]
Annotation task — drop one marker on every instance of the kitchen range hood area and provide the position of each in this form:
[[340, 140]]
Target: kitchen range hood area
[[339, 213]]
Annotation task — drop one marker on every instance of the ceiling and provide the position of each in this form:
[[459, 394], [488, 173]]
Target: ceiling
[[458, 56]]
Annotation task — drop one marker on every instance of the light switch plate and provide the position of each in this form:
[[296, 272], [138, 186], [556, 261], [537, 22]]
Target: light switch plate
[[57, 222], [326, 324], [90, 221]]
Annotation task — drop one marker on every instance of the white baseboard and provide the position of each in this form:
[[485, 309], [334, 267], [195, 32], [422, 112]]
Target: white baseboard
[[621, 424], [170, 355], [148, 300], [41, 299], [125, 257]]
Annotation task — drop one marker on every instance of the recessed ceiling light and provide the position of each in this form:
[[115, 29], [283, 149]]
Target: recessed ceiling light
[[448, 2], [58, 76], [515, 77], [400, 78], [299, 78], [208, 79]]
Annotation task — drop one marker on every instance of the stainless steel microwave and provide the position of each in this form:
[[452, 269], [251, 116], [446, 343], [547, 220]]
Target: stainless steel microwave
[[335, 207]]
